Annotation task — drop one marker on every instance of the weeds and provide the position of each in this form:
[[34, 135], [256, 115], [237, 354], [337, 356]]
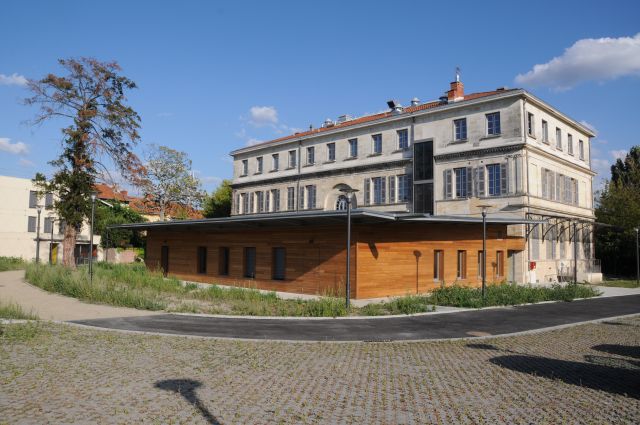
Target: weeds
[[507, 294], [11, 263], [14, 311]]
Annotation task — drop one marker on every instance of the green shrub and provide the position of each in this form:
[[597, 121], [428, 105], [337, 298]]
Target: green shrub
[[508, 294]]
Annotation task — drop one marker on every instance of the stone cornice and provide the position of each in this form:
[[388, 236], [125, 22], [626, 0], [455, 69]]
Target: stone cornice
[[479, 152], [325, 173]]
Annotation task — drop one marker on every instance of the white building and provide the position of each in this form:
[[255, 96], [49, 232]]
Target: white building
[[19, 225], [503, 148]]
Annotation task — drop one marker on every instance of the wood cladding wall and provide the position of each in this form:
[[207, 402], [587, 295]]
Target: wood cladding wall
[[386, 259], [315, 259], [400, 260]]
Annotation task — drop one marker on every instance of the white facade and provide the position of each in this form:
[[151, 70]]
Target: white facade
[[461, 152], [19, 223]]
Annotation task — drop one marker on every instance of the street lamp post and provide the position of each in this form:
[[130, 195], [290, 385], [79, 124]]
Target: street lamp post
[[637, 258], [39, 209], [51, 220], [93, 213], [484, 250], [348, 191]]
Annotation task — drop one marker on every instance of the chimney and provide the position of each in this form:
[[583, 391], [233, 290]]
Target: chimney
[[415, 101], [457, 89]]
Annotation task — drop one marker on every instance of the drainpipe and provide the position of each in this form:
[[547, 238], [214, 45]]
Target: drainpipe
[[413, 139], [298, 161], [526, 158]]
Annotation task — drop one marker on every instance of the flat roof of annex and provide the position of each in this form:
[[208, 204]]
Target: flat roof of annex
[[413, 111]]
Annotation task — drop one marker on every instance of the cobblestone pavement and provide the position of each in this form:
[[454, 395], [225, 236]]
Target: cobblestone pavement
[[583, 374]]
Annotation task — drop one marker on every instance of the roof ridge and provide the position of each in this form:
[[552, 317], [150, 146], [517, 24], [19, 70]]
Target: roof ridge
[[378, 115]]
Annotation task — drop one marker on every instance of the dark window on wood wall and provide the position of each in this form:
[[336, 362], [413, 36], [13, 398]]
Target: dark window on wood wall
[[438, 265], [202, 260], [223, 261], [250, 262], [279, 263]]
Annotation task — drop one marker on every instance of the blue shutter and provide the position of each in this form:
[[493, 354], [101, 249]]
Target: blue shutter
[[503, 179], [367, 191], [448, 186], [392, 189], [469, 174], [480, 184]]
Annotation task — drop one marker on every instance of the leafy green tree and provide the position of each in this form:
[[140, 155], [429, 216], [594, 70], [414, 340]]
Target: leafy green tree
[[117, 214], [618, 208], [170, 180], [101, 126], [218, 204]]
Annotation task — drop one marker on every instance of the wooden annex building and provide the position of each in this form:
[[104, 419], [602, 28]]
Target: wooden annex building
[[391, 254]]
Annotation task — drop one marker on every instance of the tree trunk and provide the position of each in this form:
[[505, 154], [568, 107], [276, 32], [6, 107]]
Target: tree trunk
[[68, 247], [162, 208]]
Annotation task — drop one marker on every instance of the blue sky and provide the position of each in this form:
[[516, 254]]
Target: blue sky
[[215, 76]]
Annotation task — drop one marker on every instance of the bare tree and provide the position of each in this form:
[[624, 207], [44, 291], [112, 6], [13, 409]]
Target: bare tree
[[101, 126], [170, 180]]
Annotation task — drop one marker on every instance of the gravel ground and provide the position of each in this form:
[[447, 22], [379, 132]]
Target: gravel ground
[[583, 374]]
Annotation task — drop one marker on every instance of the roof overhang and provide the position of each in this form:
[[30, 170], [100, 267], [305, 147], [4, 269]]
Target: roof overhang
[[316, 218]]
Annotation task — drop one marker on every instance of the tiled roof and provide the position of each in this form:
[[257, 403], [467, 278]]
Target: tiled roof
[[374, 117], [107, 192]]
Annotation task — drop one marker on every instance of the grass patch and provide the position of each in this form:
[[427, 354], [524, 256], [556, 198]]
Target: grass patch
[[11, 263], [620, 283], [14, 311], [508, 294], [133, 285]]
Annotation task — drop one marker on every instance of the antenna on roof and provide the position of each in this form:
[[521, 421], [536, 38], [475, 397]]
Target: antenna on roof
[[457, 74]]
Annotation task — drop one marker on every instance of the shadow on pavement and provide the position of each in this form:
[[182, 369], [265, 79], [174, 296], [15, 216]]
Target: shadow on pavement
[[617, 380], [187, 389]]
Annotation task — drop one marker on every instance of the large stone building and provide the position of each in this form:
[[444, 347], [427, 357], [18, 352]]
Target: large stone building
[[22, 235], [505, 149]]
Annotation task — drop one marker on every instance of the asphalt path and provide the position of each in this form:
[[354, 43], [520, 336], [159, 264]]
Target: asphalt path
[[474, 323]]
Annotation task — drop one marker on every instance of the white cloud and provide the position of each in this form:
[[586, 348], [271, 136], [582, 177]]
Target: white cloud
[[263, 115], [588, 59], [252, 141], [619, 154], [17, 148], [12, 80], [26, 163]]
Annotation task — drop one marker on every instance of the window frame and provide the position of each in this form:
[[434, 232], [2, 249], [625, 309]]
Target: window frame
[[331, 151], [531, 124], [497, 181], [461, 189], [438, 265], [224, 254], [545, 132], [274, 266], [376, 144], [353, 147], [245, 167], [460, 126], [311, 155], [401, 134], [201, 260], [559, 138], [293, 159], [32, 224], [275, 162], [570, 144], [495, 123], [461, 265], [246, 272], [259, 165]]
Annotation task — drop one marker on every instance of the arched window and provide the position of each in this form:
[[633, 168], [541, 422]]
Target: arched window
[[341, 203]]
